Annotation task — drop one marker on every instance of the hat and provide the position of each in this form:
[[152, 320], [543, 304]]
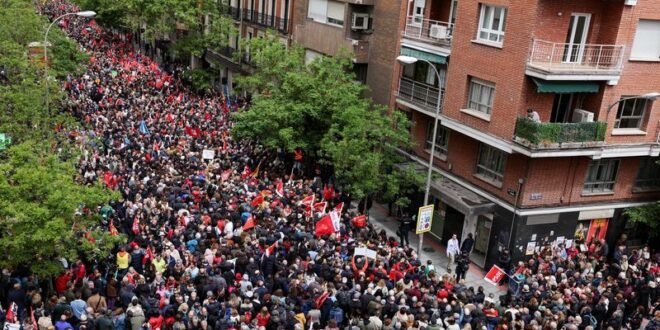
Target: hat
[[525, 288], [83, 317]]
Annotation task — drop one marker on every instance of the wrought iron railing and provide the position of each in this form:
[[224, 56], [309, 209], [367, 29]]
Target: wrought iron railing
[[576, 57], [420, 94]]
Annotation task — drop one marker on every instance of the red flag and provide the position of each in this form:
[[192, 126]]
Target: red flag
[[257, 200], [112, 229], [359, 221], [324, 226], [320, 207], [279, 189], [148, 256], [136, 226], [271, 249], [12, 313], [249, 224], [339, 208], [307, 201]]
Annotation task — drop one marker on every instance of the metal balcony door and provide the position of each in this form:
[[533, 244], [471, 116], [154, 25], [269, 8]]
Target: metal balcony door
[[418, 13], [576, 38]]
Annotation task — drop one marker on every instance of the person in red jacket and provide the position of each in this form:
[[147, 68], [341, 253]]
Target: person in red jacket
[[263, 317]]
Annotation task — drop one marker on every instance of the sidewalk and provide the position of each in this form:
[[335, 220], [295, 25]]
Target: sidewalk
[[379, 218]]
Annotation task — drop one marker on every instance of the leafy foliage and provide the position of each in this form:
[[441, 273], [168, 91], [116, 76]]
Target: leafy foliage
[[40, 211], [206, 22], [22, 90], [648, 214], [319, 107]]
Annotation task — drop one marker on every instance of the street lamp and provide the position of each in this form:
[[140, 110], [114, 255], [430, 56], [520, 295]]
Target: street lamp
[[648, 96], [87, 13], [405, 60]]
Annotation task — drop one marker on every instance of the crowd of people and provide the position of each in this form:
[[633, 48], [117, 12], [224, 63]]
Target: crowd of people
[[223, 234]]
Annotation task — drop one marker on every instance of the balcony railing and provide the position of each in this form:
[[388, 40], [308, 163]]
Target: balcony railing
[[235, 13], [552, 56], [558, 135], [419, 94], [428, 30], [262, 19]]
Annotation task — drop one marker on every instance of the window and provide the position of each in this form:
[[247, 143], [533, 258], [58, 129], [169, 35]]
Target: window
[[601, 176], [491, 24], [631, 113], [441, 139], [490, 165], [481, 96], [648, 176], [326, 11], [646, 45]]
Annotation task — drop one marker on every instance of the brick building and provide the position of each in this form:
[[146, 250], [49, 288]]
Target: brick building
[[584, 70], [366, 29], [252, 18]]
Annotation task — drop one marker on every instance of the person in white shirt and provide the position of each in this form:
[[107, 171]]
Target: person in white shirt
[[452, 250], [533, 115]]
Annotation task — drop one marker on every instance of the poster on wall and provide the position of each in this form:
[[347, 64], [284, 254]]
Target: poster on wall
[[581, 230], [597, 230]]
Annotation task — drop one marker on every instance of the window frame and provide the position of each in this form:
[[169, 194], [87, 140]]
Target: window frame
[[595, 182], [487, 11], [647, 178], [479, 105], [488, 156], [641, 118], [441, 140]]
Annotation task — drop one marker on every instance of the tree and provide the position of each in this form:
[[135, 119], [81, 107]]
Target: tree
[[206, 22], [319, 107], [42, 217], [22, 90]]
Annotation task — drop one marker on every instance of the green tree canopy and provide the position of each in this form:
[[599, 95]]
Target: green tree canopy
[[319, 107], [41, 217]]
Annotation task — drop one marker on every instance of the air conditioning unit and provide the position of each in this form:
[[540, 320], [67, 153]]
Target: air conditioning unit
[[360, 21], [582, 116], [630, 2], [437, 31]]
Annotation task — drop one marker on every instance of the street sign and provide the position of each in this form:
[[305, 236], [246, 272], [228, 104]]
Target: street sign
[[495, 275], [424, 219]]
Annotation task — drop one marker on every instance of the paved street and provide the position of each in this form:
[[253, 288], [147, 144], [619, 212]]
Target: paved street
[[380, 219]]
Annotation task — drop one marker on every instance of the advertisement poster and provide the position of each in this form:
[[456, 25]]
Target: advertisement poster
[[597, 229], [424, 219]]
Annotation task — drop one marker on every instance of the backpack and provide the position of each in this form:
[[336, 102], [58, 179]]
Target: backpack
[[337, 314]]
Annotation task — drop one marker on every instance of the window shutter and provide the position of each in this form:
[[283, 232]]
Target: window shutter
[[318, 10], [336, 11], [647, 40]]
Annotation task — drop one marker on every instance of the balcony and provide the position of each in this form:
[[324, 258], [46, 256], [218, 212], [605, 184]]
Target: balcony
[[275, 22], [419, 95], [561, 61], [429, 33], [559, 135], [235, 13]]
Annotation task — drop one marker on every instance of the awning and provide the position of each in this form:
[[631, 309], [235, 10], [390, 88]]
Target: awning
[[435, 58], [455, 195], [546, 86]]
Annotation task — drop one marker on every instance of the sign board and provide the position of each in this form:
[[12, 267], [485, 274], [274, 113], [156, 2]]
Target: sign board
[[11, 326], [369, 253], [424, 219], [208, 154], [495, 275]]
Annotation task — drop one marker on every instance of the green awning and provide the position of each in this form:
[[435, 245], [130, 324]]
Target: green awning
[[435, 58], [546, 86]]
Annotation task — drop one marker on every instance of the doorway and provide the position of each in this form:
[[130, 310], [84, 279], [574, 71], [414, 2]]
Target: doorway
[[481, 240], [562, 108], [576, 38], [453, 224]]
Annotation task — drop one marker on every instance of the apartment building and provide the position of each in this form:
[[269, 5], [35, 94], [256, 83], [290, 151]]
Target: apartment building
[[367, 30], [252, 18], [589, 69]]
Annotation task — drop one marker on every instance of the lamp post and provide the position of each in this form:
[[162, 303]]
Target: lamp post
[[648, 96], [87, 13], [405, 60]]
